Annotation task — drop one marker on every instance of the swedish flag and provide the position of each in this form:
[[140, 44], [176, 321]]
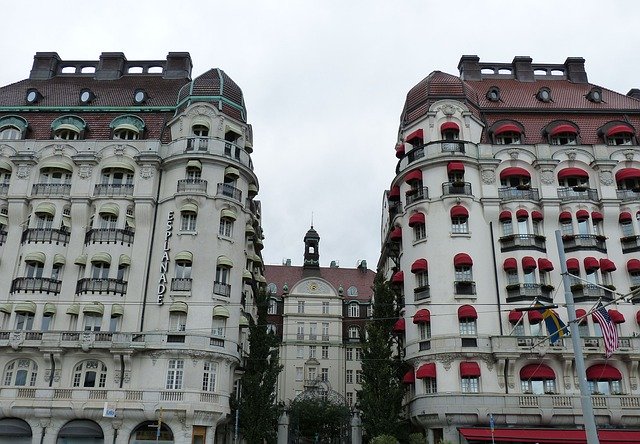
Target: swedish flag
[[555, 327]]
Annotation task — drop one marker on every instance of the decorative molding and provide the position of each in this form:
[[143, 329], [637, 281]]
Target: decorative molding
[[24, 171], [546, 177], [119, 150], [571, 154], [606, 177], [85, 171], [488, 176], [514, 154], [628, 154], [147, 171]]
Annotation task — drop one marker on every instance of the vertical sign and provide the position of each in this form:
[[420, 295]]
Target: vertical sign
[[164, 264]]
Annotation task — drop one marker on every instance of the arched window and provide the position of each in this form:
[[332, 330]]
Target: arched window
[[200, 130], [354, 310], [272, 288], [604, 379], [562, 134], [68, 128], [354, 332], [459, 219], [117, 177], [463, 274], [537, 379], [21, 373], [127, 127], [90, 373], [227, 218], [273, 306], [188, 217], [148, 431], [12, 128], [507, 133], [10, 133], [352, 291]]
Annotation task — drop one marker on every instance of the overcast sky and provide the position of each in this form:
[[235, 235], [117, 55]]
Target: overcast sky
[[325, 81]]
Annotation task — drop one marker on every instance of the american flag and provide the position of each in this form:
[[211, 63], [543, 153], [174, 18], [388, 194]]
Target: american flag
[[609, 331]]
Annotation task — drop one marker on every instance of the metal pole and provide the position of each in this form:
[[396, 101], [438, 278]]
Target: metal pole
[[585, 394], [235, 432]]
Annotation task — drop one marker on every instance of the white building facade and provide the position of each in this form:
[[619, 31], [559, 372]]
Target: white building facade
[[129, 239], [491, 163]]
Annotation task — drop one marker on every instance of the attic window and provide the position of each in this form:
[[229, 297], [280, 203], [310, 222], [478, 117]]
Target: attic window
[[68, 128], [544, 95], [127, 127], [33, 96], [595, 95], [140, 96], [493, 94], [86, 96]]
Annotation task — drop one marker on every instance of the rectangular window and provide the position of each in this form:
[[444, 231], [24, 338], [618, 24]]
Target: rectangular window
[[313, 331], [300, 334], [468, 327], [324, 374], [512, 277], [114, 323], [430, 385], [425, 330], [358, 354], [325, 331], [354, 310], [46, 322], [24, 321], [529, 277], [92, 322], [464, 274], [537, 227], [175, 373], [300, 306], [188, 222], [325, 352], [312, 351], [34, 269], [209, 377], [583, 226], [507, 228], [523, 226], [518, 330], [325, 308], [566, 228], [627, 229], [349, 354], [177, 321], [299, 374], [422, 279], [469, 385], [358, 376], [460, 225], [300, 351], [312, 373], [350, 398], [273, 307], [349, 376], [218, 326], [419, 232], [226, 227]]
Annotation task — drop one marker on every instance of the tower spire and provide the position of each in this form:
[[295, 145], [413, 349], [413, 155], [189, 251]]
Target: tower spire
[[311, 253]]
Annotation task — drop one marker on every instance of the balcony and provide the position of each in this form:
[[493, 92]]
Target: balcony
[[627, 195], [113, 189], [438, 149], [456, 189], [464, 287], [212, 146], [452, 147], [629, 243], [4, 189], [181, 284], [109, 236], [417, 194], [222, 289], [577, 193], [192, 186], [518, 193], [590, 293], [584, 242], [529, 292], [3, 237], [395, 208], [36, 285], [420, 293], [229, 191], [523, 242], [51, 189], [45, 235], [197, 144], [106, 285]]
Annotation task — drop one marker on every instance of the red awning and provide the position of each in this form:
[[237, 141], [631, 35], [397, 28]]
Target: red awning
[[582, 215], [596, 216], [510, 264], [459, 211], [455, 166], [462, 260], [505, 215], [449, 126], [398, 327], [507, 128], [537, 372], [603, 372], [400, 150], [467, 312], [617, 129], [550, 435], [417, 134], [514, 171], [522, 214], [591, 263], [572, 172], [409, 377], [607, 265], [515, 316], [416, 219], [625, 216], [469, 370], [573, 265], [580, 313], [616, 316], [638, 317], [419, 265], [426, 371], [528, 263], [545, 264], [534, 316], [394, 193], [422, 316], [628, 173], [565, 216], [563, 128], [396, 234], [398, 277], [537, 215], [412, 176], [633, 265]]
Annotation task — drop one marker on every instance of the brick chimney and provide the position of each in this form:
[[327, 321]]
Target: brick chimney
[[635, 93], [111, 66], [522, 68], [469, 67], [575, 70], [45, 65], [178, 66]]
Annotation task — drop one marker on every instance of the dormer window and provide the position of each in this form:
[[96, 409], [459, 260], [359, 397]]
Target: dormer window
[[9, 133], [619, 134], [127, 127], [33, 96], [595, 95], [507, 134], [86, 96], [544, 95], [493, 94], [12, 128], [450, 131], [200, 131], [68, 128], [563, 134]]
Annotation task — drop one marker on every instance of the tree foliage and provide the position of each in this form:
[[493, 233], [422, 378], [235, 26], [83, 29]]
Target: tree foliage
[[380, 398], [259, 411], [319, 419]]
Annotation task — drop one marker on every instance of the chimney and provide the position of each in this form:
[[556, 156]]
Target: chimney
[[469, 67], [522, 68], [45, 65], [111, 66], [574, 67], [635, 93], [178, 66]]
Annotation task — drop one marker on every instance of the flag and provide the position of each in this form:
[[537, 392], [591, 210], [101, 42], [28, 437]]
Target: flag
[[609, 330], [555, 326]]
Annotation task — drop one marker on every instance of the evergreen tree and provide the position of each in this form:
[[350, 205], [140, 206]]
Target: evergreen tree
[[259, 411], [380, 399]]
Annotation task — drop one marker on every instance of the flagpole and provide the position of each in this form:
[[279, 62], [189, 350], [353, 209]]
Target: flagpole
[[585, 394]]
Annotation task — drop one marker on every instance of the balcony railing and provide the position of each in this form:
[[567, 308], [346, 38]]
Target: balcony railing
[[43, 285], [222, 289], [3, 237], [229, 191], [584, 242], [452, 147], [518, 193], [106, 285], [440, 148], [627, 195], [577, 193], [181, 284], [192, 185], [45, 235], [4, 189], [464, 287], [529, 292], [523, 242], [395, 208], [198, 144], [51, 189], [456, 188], [417, 195], [114, 189], [109, 236], [420, 293], [629, 243], [589, 292]]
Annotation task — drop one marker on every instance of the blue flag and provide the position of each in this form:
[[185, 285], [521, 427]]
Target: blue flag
[[555, 326]]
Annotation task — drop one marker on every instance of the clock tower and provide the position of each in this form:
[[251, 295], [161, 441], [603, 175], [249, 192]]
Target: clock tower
[[311, 254]]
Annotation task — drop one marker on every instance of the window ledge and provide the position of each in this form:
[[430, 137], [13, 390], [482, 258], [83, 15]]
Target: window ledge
[[226, 238], [469, 297], [187, 233], [467, 235], [420, 241]]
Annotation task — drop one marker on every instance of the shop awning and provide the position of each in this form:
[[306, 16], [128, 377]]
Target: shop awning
[[633, 265], [449, 126], [415, 135], [189, 208], [581, 315], [534, 316], [563, 128], [537, 372], [514, 171], [573, 265], [117, 310], [224, 261], [422, 316], [618, 129], [507, 128], [396, 234], [469, 370], [35, 256], [184, 256], [95, 308], [515, 316], [426, 371], [596, 216], [603, 372], [510, 264], [542, 436], [419, 265], [398, 277], [505, 215], [399, 326], [400, 150], [220, 311], [628, 173], [455, 167], [409, 377], [25, 307], [462, 260], [394, 193], [49, 309], [231, 172], [582, 215], [110, 208], [46, 208], [572, 172], [467, 312], [638, 317], [179, 307], [537, 215], [545, 264], [413, 176], [73, 309], [591, 263], [616, 316], [528, 263], [101, 257], [459, 211], [416, 219], [625, 216], [565, 216], [522, 214], [229, 214], [607, 265]]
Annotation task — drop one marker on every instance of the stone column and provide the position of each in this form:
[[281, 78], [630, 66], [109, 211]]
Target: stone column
[[356, 428], [283, 428]]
